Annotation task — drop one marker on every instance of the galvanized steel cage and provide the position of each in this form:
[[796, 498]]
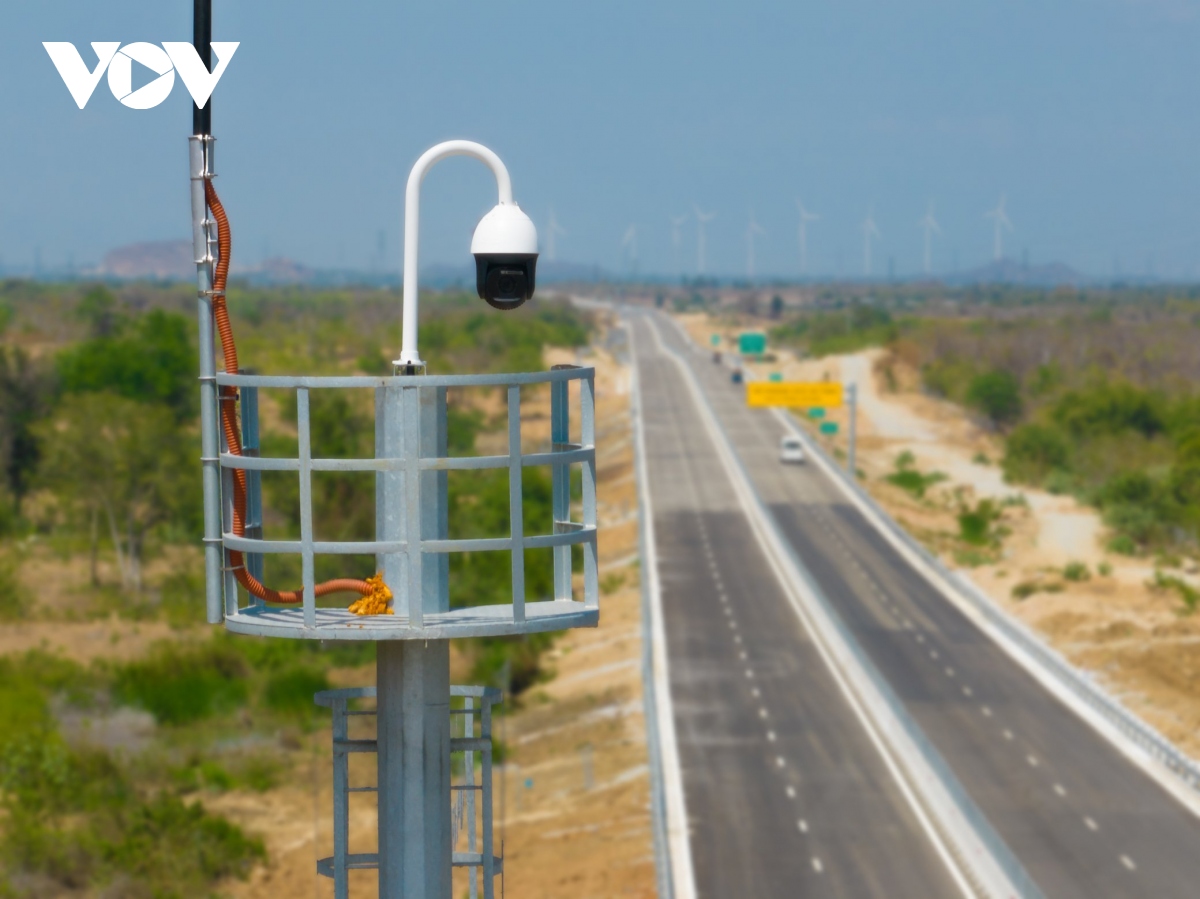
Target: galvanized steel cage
[[411, 537]]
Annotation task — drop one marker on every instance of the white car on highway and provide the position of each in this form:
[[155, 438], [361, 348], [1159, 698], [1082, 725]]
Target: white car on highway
[[791, 450]]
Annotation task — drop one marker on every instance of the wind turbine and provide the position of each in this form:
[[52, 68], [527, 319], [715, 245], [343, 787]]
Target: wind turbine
[[702, 218], [676, 240], [930, 226], [1000, 217], [805, 218], [870, 230], [629, 245], [553, 229], [753, 229]]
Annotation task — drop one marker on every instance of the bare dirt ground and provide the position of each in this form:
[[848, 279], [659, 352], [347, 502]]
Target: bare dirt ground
[[572, 801], [1138, 641]]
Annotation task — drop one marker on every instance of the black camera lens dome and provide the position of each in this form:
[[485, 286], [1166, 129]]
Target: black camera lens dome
[[505, 282]]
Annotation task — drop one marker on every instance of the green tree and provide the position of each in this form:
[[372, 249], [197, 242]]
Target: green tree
[[997, 394], [151, 360], [25, 392], [123, 465]]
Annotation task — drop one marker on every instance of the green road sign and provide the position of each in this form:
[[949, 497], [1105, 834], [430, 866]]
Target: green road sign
[[715, 340], [752, 343], [776, 377], [816, 412], [829, 427]]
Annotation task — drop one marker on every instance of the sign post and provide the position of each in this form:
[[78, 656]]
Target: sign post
[[851, 428]]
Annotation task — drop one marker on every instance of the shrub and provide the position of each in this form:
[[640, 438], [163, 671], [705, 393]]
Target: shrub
[[1076, 572], [1123, 545], [1024, 589], [1104, 569], [996, 394], [975, 525], [291, 691], [1186, 592], [1032, 451], [178, 685]]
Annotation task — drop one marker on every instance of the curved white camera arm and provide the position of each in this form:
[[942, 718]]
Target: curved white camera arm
[[412, 227]]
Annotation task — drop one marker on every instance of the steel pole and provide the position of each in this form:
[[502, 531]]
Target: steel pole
[[413, 676]]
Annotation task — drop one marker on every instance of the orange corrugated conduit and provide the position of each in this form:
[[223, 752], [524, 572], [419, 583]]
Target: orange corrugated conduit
[[375, 594]]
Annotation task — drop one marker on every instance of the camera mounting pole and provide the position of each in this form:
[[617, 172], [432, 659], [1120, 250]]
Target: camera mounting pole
[[409, 357]]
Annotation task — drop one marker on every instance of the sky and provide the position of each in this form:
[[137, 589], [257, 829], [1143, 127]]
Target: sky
[[1082, 113]]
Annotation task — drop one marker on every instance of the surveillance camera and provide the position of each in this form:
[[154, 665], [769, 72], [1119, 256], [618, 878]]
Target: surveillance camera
[[505, 249]]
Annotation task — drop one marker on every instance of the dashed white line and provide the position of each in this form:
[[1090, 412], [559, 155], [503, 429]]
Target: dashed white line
[[770, 736], [966, 691], [791, 794], [754, 692], [1128, 863], [779, 761], [749, 673], [817, 866], [742, 656], [1008, 735], [1091, 825], [1060, 790], [737, 638], [920, 638], [949, 672], [762, 713], [933, 654], [803, 825], [1032, 759], [987, 713]]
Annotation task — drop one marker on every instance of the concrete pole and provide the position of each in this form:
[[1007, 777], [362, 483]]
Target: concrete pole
[[852, 402], [413, 676]]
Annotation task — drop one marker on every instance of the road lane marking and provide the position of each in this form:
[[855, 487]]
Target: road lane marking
[[1128, 863], [742, 656], [803, 825], [817, 866], [755, 693], [1060, 790], [762, 713], [949, 672], [779, 761], [933, 654], [1091, 825], [1032, 759], [737, 638], [920, 638], [791, 794], [1008, 735], [770, 736], [987, 713], [749, 673]]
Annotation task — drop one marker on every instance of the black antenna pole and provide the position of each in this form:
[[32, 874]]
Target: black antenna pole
[[202, 40]]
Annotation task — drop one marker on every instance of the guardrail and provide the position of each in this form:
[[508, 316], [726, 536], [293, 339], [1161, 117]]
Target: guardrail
[[929, 774], [1077, 682]]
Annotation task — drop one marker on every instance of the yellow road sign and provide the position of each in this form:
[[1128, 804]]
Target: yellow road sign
[[796, 394]]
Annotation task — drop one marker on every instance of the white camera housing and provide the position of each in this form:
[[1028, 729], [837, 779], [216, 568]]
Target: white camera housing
[[505, 247]]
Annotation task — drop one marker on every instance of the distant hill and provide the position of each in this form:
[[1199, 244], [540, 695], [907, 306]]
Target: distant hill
[[1009, 271], [160, 260]]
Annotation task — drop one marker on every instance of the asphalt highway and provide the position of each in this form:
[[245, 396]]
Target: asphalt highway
[[787, 796], [1082, 819]]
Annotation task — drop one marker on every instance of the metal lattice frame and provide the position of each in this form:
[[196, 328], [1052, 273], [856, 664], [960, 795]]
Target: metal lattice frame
[[410, 620], [471, 798]]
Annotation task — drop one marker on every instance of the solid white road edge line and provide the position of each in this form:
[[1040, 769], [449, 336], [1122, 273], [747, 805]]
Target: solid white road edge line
[[827, 645], [683, 875]]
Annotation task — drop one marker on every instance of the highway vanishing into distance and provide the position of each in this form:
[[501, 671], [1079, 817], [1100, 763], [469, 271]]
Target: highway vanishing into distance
[[786, 792]]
